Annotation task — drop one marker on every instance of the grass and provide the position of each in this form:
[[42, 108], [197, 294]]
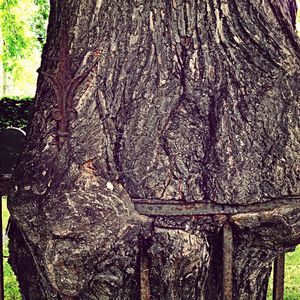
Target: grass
[[292, 277], [292, 271]]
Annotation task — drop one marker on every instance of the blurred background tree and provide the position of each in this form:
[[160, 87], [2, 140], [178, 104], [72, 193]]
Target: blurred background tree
[[23, 26]]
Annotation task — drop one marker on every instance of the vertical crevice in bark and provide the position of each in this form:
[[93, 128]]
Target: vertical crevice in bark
[[186, 100], [213, 288]]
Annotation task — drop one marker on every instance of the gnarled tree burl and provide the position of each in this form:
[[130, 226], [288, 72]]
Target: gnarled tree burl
[[188, 101]]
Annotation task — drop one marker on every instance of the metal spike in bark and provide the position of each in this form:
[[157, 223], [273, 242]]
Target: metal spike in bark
[[145, 293], [64, 86], [227, 262]]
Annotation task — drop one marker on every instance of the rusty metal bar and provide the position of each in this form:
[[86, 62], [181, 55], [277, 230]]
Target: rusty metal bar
[[155, 207], [227, 262], [278, 281], [1, 252], [145, 292]]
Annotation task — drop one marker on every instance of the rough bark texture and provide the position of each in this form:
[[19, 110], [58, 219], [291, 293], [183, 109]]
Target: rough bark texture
[[186, 100]]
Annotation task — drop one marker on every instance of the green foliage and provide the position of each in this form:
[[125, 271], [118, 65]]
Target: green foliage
[[40, 19], [15, 41], [22, 36], [14, 112]]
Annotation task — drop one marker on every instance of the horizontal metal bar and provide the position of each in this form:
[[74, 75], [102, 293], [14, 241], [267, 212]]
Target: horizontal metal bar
[[156, 207]]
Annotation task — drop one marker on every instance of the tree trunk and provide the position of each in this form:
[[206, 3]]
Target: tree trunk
[[191, 102]]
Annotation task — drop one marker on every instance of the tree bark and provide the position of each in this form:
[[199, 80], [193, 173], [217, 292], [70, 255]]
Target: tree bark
[[193, 101]]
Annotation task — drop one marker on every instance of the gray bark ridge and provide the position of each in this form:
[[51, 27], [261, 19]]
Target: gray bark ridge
[[186, 100]]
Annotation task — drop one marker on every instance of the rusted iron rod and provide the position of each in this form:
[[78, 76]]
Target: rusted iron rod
[[155, 207], [227, 262], [278, 281], [145, 292]]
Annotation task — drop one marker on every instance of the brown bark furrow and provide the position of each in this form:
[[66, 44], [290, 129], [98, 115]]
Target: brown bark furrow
[[179, 264], [256, 48], [187, 100]]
